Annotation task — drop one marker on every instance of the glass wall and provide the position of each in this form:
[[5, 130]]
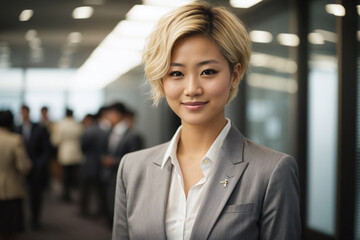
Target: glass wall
[[322, 120], [46, 87], [271, 83]]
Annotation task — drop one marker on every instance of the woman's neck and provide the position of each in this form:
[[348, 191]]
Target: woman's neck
[[197, 139]]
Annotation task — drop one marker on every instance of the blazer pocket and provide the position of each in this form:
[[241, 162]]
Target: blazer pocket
[[239, 208]]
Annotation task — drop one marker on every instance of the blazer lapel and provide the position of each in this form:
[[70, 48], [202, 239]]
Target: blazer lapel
[[226, 175], [158, 191]]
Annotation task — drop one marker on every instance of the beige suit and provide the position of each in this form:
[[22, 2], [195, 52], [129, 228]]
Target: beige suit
[[260, 200], [14, 164], [67, 136]]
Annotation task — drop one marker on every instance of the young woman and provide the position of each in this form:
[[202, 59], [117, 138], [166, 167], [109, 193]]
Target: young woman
[[209, 181]]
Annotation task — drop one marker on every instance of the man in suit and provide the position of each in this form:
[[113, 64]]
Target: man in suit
[[92, 141], [38, 148], [121, 140]]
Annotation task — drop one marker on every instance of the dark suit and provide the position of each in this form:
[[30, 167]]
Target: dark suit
[[130, 141], [39, 150], [259, 201], [92, 142]]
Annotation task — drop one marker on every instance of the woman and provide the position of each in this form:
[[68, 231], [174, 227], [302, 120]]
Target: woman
[[14, 164], [208, 182]]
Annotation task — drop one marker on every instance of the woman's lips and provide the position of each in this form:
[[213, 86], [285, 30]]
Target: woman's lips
[[194, 106]]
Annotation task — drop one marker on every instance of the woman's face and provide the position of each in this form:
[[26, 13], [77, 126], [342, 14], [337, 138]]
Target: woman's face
[[197, 85]]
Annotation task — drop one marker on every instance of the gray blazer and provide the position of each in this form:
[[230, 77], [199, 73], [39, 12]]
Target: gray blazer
[[260, 201]]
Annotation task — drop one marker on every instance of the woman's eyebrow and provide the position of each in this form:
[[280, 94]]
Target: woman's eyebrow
[[175, 64], [207, 62]]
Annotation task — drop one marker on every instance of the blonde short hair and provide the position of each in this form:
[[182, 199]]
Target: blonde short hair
[[217, 23]]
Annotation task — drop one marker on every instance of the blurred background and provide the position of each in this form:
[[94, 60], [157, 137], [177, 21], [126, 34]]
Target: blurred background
[[300, 95]]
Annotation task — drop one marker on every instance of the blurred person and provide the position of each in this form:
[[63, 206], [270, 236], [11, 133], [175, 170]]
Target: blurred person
[[92, 145], [14, 165], [209, 181], [121, 140], [38, 149], [49, 125], [88, 120], [66, 137], [44, 118], [130, 118]]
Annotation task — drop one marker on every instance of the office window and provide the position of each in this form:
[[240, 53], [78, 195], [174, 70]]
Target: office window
[[271, 85], [322, 120]]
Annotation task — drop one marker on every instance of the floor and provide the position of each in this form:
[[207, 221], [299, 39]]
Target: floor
[[62, 221]]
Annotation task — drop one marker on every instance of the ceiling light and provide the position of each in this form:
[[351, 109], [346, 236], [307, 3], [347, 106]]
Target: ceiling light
[[271, 82], [327, 35], [358, 9], [287, 39], [146, 13], [260, 36], [243, 3], [75, 37], [167, 3], [35, 43], [275, 63], [83, 12], [316, 38], [358, 35], [335, 9], [25, 15], [133, 28], [30, 34]]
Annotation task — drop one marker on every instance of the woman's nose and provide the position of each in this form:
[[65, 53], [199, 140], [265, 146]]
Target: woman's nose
[[193, 86]]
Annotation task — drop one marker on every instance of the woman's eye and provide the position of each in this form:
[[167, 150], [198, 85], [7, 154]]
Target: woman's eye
[[176, 74], [208, 72]]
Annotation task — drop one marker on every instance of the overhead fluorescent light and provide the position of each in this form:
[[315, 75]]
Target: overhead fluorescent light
[[243, 3], [260, 36], [316, 38], [82, 12], [35, 43], [335, 9], [275, 63], [288, 39], [327, 35], [133, 28], [75, 37], [30, 34], [271, 82], [146, 13], [25, 15], [167, 3]]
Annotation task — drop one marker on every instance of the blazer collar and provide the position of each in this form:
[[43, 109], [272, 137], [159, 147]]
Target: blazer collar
[[229, 168], [158, 191]]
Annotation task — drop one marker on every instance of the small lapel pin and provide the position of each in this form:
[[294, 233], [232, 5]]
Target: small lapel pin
[[225, 182]]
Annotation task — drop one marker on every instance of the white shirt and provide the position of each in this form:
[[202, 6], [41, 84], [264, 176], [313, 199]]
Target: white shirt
[[181, 212], [116, 135]]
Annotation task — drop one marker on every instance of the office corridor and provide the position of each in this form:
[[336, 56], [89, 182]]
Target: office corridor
[[62, 221]]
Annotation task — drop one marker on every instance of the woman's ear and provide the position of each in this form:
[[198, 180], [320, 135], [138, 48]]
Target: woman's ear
[[236, 73]]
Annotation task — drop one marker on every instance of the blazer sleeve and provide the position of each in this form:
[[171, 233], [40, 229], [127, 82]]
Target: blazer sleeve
[[120, 225], [281, 208]]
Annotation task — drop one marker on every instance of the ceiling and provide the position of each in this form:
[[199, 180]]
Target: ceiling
[[52, 20], [53, 23]]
